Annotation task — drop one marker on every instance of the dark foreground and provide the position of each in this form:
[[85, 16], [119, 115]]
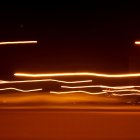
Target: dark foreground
[[69, 125]]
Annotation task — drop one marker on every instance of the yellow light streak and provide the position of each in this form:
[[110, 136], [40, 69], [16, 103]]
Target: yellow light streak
[[137, 42], [11, 88], [99, 86], [78, 74], [131, 94], [79, 91], [123, 90], [45, 80], [18, 42]]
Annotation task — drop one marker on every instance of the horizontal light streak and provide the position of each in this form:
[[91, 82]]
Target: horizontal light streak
[[78, 74], [99, 86], [79, 91], [123, 90], [18, 42], [11, 88], [46, 80], [131, 94], [137, 42]]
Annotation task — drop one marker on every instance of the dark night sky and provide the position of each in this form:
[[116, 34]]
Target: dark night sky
[[94, 38]]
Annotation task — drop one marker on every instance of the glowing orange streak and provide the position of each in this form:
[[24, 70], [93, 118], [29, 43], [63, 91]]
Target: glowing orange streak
[[46, 80], [79, 74], [20, 89], [18, 42], [124, 90], [79, 91], [131, 94], [137, 42], [99, 86]]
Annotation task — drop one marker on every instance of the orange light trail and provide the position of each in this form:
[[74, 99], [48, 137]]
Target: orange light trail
[[10, 88], [78, 74], [79, 91], [18, 42], [123, 90], [46, 80], [131, 94], [99, 86]]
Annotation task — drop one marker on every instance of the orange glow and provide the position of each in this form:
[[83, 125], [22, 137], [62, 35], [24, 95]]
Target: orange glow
[[10, 88], [18, 42], [79, 91], [78, 74], [46, 80]]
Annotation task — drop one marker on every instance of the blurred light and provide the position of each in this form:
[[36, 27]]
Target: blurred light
[[10, 88], [99, 86], [78, 74], [123, 90], [79, 91], [45, 80], [18, 42], [131, 94], [137, 42]]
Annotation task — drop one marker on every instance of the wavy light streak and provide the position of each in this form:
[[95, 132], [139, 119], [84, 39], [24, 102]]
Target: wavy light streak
[[46, 80], [79, 91], [11, 88], [99, 86], [78, 74]]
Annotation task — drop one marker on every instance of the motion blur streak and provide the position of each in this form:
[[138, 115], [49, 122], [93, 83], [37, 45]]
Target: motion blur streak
[[10, 88], [124, 90], [100, 86], [18, 42], [131, 94], [78, 74], [137, 42], [45, 80], [79, 91]]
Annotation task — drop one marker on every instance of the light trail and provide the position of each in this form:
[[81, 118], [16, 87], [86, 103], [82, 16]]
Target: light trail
[[10, 88], [123, 90], [78, 74], [131, 94], [79, 91], [18, 42], [99, 86], [45, 80], [137, 42]]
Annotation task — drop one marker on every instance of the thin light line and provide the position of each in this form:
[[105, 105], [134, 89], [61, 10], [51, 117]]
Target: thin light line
[[78, 74], [79, 91], [11, 88], [46, 80], [99, 86], [123, 90], [131, 94], [18, 42]]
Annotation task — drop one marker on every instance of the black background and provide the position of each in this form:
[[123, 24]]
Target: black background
[[96, 38]]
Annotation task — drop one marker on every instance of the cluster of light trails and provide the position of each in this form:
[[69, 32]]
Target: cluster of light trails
[[11, 88], [46, 80], [78, 74], [112, 93], [17, 42]]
